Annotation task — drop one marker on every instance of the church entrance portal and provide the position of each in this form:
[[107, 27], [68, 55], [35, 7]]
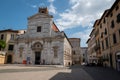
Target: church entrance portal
[[37, 57]]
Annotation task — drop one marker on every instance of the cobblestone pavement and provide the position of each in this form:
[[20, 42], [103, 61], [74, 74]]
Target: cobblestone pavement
[[77, 72]]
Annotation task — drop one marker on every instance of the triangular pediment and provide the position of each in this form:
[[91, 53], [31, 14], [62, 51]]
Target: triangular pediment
[[40, 15]]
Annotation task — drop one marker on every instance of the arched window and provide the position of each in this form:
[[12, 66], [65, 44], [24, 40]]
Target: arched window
[[2, 36], [112, 24], [105, 31], [118, 18], [102, 35]]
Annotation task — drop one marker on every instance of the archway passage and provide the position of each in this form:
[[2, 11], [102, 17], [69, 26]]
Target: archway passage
[[9, 59]]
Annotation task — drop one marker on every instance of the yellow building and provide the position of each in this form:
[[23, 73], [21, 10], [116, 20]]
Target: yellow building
[[9, 37], [2, 57]]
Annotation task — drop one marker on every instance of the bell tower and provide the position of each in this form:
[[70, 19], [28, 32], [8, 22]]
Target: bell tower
[[43, 10]]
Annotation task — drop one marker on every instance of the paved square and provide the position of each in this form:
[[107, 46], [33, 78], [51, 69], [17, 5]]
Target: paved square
[[57, 73]]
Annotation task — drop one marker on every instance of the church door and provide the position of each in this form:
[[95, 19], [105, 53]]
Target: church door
[[37, 57]]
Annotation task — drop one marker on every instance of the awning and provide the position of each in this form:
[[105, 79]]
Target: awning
[[118, 53]]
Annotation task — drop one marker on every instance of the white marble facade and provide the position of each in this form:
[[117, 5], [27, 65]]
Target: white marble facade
[[42, 43]]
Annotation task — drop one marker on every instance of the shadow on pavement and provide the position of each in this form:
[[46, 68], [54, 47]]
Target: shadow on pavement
[[76, 73], [102, 73], [88, 73]]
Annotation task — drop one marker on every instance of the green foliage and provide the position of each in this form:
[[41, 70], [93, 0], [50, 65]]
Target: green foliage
[[2, 44]]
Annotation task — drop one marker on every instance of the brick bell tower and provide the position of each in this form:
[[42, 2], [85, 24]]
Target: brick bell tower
[[43, 10]]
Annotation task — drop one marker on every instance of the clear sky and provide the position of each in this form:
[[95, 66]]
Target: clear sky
[[75, 17]]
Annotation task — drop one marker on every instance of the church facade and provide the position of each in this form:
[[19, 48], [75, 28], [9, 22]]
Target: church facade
[[43, 43]]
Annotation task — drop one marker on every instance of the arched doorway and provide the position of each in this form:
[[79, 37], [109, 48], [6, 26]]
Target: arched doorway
[[37, 47], [9, 59], [118, 61], [38, 57]]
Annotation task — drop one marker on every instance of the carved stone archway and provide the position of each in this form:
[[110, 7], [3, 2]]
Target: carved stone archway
[[37, 48]]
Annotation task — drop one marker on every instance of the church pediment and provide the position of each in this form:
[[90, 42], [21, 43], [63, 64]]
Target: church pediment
[[40, 15]]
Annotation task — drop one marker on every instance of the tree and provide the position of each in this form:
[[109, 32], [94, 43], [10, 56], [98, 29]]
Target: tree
[[2, 44]]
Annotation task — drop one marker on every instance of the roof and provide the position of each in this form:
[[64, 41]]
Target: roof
[[9, 30], [55, 28], [113, 6], [88, 40], [103, 16], [42, 11], [74, 39], [67, 39], [96, 22], [92, 32]]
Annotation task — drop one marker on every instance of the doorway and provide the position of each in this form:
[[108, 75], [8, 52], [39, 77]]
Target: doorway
[[118, 61], [118, 65], [9, 59], [37, 57]]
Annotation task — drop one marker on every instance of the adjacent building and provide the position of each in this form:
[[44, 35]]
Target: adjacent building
[[84, 54], [2, 57], [76, 50], [9, 37], [107, 35], [92, 56]]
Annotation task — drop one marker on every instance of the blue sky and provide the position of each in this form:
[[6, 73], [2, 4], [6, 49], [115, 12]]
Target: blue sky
[[75, 17]]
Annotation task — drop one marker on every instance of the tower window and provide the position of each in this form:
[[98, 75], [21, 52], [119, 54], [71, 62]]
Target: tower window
[[39, 29], [42, 11]]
